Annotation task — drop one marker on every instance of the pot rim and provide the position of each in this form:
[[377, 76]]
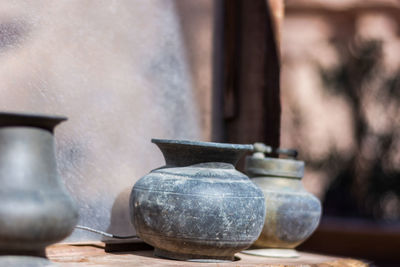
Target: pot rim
[[244, 147], [20, 119], [277, 167]]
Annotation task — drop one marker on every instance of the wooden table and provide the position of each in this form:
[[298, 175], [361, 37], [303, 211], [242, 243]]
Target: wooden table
[[93, 254]]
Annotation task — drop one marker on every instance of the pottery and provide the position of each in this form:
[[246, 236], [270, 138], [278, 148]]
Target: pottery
[[292, 213], [197, 207], [35, 209]]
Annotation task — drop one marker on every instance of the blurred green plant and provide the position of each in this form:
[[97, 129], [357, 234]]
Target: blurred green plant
[[367, 182]]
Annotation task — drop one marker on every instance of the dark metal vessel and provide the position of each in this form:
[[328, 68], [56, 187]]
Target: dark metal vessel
[[198, 207], [292, 213], [35, 209]]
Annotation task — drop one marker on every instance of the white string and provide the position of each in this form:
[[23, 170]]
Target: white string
[[104, 233]]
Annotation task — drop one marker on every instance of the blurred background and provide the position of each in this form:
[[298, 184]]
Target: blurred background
[[340, 108], [340, 102], [321, 76]]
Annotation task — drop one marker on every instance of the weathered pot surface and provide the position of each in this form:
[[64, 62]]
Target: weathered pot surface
[[35, 209], [198, 207], [292, 213]]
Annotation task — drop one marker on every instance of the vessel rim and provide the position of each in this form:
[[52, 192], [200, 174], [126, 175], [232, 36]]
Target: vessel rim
[[32, 115], [244, 147]]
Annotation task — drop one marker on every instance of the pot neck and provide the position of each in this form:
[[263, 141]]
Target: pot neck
[[278, 183], [181, 153], [27, 160]]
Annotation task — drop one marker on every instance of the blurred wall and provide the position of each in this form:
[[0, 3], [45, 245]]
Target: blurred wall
[[346, 130], [122, 72]]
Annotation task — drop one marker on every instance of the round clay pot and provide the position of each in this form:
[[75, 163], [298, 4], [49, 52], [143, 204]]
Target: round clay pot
[[292, 213], [35, 209], [198, 207]]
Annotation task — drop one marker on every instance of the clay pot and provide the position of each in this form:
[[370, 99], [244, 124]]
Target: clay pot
[[197, 207], [35, 209], [292, 213]]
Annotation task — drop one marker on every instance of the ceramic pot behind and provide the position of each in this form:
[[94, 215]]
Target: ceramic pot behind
[[198, 207], [35, 209], [292, 213]]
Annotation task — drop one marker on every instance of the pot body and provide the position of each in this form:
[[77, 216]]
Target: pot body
[[199, 211], [35, 209], [292, 213]]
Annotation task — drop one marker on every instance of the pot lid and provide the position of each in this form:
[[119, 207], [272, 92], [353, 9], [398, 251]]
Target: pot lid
[[260, 165]]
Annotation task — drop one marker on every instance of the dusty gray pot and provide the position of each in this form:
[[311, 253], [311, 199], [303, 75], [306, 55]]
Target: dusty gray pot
[[198, 207], [35, 209], [292, 213]]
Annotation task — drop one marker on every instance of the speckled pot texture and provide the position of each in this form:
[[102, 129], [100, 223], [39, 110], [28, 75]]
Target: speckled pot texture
[[198, 207], [35, 209], [292, 213]]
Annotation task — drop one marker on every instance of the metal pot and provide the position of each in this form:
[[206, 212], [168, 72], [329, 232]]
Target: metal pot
[[198, 207], [292, 213], [35, 209]]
